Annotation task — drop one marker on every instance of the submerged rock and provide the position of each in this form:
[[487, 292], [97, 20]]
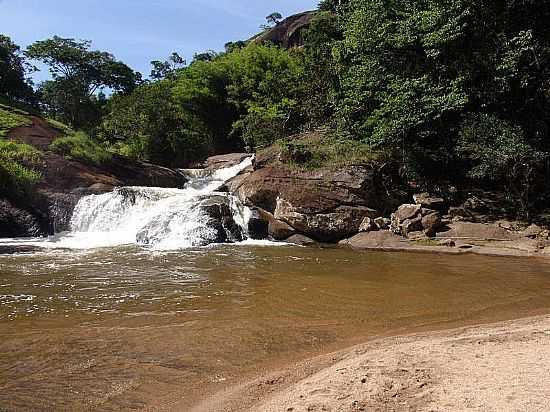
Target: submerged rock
[[301, 240]]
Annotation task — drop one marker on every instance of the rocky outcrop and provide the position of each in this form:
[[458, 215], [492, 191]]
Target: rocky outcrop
[[289, 32], [325, 205]]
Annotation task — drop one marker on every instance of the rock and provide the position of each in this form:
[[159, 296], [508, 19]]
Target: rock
[[276, 229], [429, 202], [328, 227], [374, 240], [280, 230], [446, 243], [405, 212], [99, 188], [218, 208], [431, 223], [226, 160], [382, 223], [368, 225], [478, 231], [406, 219], [301, 240], [411, 225], [15, 222], [257, 225], [534, 231], [289, 32], [326, 205]]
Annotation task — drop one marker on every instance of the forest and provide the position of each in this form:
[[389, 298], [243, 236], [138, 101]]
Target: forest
[[438, 90]]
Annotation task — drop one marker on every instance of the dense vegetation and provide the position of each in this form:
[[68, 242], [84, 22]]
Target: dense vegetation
[[454, 91]]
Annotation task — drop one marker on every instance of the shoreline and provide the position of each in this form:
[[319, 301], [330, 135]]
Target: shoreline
[[489, 366]]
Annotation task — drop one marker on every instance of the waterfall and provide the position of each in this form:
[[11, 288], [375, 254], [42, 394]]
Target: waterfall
[[196, 215]]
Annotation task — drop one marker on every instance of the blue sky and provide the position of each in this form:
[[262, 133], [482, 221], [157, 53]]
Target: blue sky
[[138, 31]]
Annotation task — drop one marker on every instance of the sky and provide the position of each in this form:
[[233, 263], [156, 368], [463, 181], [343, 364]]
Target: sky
[[138, 31]]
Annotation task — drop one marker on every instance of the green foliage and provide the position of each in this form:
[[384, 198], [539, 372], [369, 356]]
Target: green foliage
[[167, 68], [217, 104], [14, 84], [495, 148], [149, 125], [80, 146], [10, 118], [78, 73], [62, 127], [315, 150], [18, 163]]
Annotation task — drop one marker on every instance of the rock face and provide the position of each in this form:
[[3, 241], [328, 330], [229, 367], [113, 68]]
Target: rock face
[[289, 32], [325, 205]]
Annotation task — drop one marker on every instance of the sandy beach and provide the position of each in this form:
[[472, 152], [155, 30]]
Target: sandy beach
[[497, 367]]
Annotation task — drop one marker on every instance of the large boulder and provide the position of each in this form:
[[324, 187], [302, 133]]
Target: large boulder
[[326, 205], [15, 222]]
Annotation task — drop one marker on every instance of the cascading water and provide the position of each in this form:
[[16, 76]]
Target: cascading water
[[161, 218]]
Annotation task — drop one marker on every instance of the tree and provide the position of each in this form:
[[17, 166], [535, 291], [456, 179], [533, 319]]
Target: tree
[[79, 73], [14, 84], [162, 70], [274, 18], [149, 125]]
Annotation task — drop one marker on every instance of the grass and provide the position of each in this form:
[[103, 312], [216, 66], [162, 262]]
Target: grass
[[321, 150], [17, 166], [79, 146], [60, 126], [10, 118]]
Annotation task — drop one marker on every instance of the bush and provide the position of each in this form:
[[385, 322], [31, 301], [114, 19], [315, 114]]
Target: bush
[[319, 149], [17, 167], [80, 146], [11, 118]]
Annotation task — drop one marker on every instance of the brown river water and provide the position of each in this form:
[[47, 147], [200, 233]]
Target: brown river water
[[127, 328]]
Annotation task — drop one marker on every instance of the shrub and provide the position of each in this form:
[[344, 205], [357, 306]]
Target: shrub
[[17, 167], [319, 149], [80, 146]]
